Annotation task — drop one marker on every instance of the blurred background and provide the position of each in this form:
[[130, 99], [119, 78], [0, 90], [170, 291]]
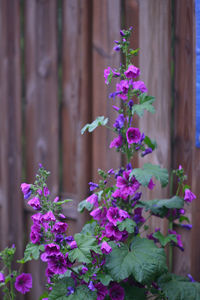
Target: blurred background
[[52, 57]]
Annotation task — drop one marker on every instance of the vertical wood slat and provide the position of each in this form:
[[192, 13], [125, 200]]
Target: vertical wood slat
[[185, 152], [41, 106], [106, 27], [76, 105], [10, 127], [154, 58]]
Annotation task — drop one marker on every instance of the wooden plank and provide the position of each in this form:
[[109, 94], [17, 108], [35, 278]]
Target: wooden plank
[[76, 105], [10, 127], [184, 129], [41, 103], [154, 62], [106, 27]]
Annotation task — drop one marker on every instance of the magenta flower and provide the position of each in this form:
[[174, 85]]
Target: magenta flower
[[46, 191], [105, 248], [178, 237], [36, 218], [133, 135], [23, 283], [139, 85], [73, 245], [35, 203], [93, 199], [117, 142], [26, 190], [116, 292], [99, 214], [189, 196], [102, 291], [132, 72], [113, 215], [2, 277], [59, 227], [106, 74], [122, 89], [127, 186], [52, 249], [113, 232], [35, 235], [151, 184], [48, 217], [57, 264]]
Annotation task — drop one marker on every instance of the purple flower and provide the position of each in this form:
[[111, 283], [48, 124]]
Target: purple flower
[[126, 186], [122, 89], [2, 277], [23, 283], [116, 48], [52, 249], [36, 218], [116, 292], [91, 286], [93, 199], [119, 122], [178, 237], [146, 151], [46, 192], [113, 215], [105, 248], [35, 234], [26, 190], [151, 184], [93, 186], [35, 203], [133, 135], [56, 199], [130, 104], [73, 245], [113, 95], [70, 290], [59, 227], [139, 85], [48, 217], [137, 196], [132, 72], [113, 232], [99, 214], [117, 142], [57, 264], [122, 33], [191, 278], [186, 226], [102, 291], [116, 108], [138, 218], [189, 196]]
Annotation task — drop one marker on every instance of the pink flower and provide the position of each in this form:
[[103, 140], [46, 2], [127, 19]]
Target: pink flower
[[189, 196], [2, 277], [59, 227], [73, 245], [23, 283], [113, 232], [26, 190], [139, 85], [113, 215], [99, 214], [133, 135], [117, 142], [106, 74], [36, 218], [116, 292], [105, 248], [126, 186], [122, 89], [132, 72], [48, 217]]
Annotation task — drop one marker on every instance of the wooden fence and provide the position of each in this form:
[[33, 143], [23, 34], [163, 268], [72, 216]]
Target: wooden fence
[[52, 57]]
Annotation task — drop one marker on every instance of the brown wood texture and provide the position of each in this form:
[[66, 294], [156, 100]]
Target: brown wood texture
[[41, 103], [76, 105], [106, 27], [185, 152], [10, 127], [154, 62]]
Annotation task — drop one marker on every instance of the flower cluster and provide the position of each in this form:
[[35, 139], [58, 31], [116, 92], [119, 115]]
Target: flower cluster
[[114, 256]]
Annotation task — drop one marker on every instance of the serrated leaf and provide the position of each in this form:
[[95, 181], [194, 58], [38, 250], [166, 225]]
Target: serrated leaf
[[164, 240], [85, 204], [145, 261], [145, 103], [89, 228], [32, 251], [59, 291], [127, 224], [82, 292], [85, 243], [143, 175], [104, 278], [151, 144], [100, 121], [161, 206], [179, 288]]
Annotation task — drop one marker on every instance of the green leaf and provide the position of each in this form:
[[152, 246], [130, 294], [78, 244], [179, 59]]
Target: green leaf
[[82, 292], [164, 240], [133, 292], [32, 251], [151, 144], [59, 290], [85, 204], [145, 261], [44, 295], [148, 171], [161, 206], [89, 228], [63, 201], [100, 121], [104, 278], [85, 243], [179, 288], [145, 103], [127, 224]]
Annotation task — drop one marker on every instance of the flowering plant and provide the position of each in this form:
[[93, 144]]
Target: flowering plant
[[114, 256]]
